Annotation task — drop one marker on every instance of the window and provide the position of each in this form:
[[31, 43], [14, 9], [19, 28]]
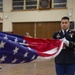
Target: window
[[18, 4], [1, 5], [31, 4], [59, 3]]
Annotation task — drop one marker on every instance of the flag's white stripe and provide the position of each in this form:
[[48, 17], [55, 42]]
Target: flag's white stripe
[[61, 47], [52, 51]]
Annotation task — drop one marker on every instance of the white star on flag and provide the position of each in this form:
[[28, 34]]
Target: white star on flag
[[33, 57], [16, 39], [3, 58], [29, 48], [2, 44], [15, 50], [25, 55], [5, 37], [14, 60], [22, 62], [24, 41]]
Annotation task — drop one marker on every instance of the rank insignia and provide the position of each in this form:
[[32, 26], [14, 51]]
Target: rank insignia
[[71, 35]]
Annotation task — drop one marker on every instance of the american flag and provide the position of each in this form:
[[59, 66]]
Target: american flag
[[16, 49]]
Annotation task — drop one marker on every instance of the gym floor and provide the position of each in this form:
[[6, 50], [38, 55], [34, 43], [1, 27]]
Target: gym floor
[[32, 68]]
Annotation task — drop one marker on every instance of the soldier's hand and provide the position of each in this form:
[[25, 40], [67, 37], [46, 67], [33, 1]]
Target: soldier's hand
[[65, 41], [28, 35]]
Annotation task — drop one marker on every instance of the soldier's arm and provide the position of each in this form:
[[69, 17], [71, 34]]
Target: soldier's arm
[[54, 35], [72, 43]]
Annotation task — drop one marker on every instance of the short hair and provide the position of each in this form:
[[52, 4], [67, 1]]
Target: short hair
[[65, 17]]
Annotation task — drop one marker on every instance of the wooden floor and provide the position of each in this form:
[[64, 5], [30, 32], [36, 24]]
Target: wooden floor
[[32, 68]]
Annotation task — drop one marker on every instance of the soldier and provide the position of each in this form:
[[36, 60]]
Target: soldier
[[65, 61]]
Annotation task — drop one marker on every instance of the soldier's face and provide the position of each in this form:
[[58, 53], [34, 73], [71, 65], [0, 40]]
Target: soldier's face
[[65, 24]]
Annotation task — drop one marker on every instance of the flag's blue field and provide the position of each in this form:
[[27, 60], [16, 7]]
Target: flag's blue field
[[13, 51]]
